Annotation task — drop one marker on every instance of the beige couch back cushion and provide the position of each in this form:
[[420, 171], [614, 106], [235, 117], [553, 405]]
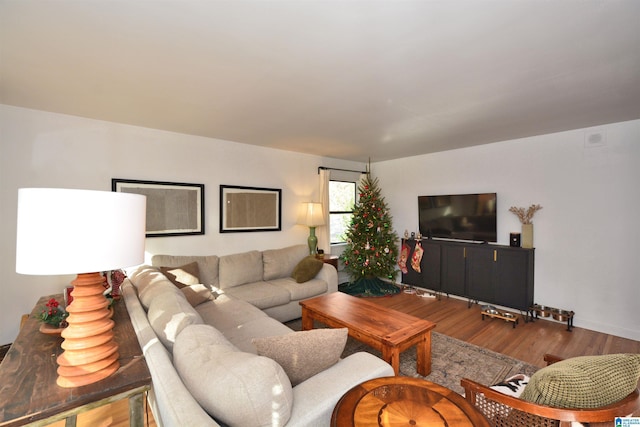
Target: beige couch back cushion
[[280, 263], [207, 265], [238, 269]]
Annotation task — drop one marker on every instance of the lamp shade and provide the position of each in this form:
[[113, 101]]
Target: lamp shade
[[63, 231], [311, 215]]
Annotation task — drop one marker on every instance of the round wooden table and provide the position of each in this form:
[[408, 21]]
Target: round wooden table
[[404, 401]]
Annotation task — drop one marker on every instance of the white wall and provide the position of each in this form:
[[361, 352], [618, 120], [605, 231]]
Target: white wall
[[40, 149], [586, 236]]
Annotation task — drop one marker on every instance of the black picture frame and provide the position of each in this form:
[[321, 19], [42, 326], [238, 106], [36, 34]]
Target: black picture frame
[[173, 208], [250, 209]]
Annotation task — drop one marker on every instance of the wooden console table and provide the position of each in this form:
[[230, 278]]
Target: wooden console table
[[28, 389]]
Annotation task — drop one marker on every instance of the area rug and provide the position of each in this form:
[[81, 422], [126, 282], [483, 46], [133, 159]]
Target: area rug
[[451, 360]]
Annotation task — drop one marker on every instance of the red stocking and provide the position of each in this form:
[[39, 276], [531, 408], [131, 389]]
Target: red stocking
[[404, 256], [417, 257]]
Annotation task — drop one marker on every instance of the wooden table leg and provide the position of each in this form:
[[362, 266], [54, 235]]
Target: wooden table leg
[[136, 410], [307, 320], [391, 355], [70, 421], [423, 357]]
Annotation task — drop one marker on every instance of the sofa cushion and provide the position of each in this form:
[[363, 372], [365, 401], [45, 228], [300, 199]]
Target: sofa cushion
[[236, 388], [197, 294], [281, 262], [207, 265], [299, 291], [306, 353], [169, 313], [243, 335], [584, 382], [260, 294], [226, 312], [182, 276], [238, 269], [145, 275], [306, 269], [155, 289]]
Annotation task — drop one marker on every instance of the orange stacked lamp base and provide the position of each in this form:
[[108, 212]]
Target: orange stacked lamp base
[[90, 352]]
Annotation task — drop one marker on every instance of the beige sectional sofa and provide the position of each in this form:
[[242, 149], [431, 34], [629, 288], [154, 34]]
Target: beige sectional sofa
[[215, 351], [263, 279]]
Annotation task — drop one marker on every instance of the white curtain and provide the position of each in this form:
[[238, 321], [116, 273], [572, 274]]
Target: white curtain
[[323, 232]]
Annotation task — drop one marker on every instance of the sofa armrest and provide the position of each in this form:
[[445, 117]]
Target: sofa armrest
[[329, 274], [316, 397], [170, 401]]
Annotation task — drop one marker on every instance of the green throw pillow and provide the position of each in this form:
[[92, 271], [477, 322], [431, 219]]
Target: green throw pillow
[[307, 269], [584, 382]]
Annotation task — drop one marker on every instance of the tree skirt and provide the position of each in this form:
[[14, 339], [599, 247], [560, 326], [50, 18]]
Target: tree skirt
[[369, 287]]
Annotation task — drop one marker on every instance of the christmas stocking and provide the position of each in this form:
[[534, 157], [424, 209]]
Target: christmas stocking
[[404, 256], [417, 257]]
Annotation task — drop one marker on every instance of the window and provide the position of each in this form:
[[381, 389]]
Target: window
[[342, 198]]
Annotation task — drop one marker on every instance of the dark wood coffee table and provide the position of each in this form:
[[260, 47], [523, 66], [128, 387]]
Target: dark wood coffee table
[[389, 331], [406, 401]]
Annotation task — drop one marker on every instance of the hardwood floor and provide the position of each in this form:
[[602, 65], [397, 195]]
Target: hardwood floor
[[527, 341]]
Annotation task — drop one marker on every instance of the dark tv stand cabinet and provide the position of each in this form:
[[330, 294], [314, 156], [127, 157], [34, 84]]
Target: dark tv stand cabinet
[[492, 274]]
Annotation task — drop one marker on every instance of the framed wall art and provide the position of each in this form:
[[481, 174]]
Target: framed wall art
[[249, 209], [173, 208]]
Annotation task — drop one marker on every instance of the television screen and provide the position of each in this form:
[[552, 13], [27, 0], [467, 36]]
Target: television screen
[[459, 216]]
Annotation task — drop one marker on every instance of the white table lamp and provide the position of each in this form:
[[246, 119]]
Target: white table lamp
[[311, 216], [81, 232]]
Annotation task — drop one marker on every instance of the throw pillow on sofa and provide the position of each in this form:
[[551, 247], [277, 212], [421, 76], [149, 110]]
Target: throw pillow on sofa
[[512, 386], [306, 353], [234, 387], [584, 382], [307, 269], [185, 275], [197, 294]]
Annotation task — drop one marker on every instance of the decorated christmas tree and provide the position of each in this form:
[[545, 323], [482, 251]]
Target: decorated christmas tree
[[372, 250]]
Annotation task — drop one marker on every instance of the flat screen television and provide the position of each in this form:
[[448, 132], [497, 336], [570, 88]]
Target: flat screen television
[[459, 216]]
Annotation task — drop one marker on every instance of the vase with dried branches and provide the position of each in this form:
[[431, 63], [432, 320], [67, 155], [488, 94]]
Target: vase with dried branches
[[525, 216]]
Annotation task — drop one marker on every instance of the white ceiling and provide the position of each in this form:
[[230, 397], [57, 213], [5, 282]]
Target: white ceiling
[[345, 79]]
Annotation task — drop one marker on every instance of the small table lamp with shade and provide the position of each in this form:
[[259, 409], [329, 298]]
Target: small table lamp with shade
[[82, 232], [311, 216]]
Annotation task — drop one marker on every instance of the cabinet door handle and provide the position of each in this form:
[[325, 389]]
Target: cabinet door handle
[[464, 252], [495, 255]]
